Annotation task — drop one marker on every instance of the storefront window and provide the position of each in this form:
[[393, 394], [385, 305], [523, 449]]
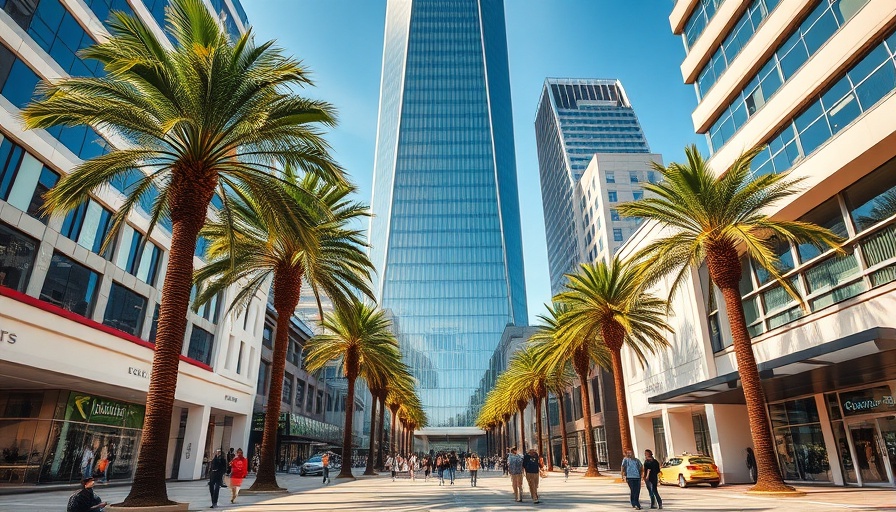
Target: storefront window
[[600, 443], [799, 443], [70, 285], [701, 434]]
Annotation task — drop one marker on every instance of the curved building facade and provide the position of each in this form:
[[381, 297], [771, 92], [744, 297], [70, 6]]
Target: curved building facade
[[445, 235]]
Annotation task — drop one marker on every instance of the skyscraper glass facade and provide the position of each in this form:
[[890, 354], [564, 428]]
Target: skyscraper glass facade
[[577, 118], [445, 235]]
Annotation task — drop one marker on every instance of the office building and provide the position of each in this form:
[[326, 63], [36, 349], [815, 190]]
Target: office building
[[577, 118], [78, 323], [445, 233], [813, 82]]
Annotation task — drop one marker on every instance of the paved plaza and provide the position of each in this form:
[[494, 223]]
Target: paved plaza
[[493, 493]]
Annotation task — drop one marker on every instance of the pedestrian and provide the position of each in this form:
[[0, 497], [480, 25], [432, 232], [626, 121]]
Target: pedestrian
[[473, 464], [441, 464], [427, 467], [392, 463], [651, 479], [515, 469], [452, 465], [751, 464], [325, 464], [239, 468], [532, 465], [631, 473], [412, 465], [87, 461], [85, 500], [564, 464], [110, 458], [216, 469]]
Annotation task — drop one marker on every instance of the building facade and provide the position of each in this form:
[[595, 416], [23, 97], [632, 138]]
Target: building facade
[[577, 118], [813, 82], [445, 232], [78, 322]]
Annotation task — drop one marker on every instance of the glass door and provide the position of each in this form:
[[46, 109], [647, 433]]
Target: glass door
[[869, 459], [888, 434]]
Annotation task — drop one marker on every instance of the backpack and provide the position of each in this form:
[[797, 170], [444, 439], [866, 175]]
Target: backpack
[[72, 502]]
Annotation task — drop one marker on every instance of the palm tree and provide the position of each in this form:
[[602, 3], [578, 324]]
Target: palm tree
[[607, 303], [400, 392], [318, 249], [559, 348], [711, 219], [359, 337], [559, 379], [379, 387], [209, 114], [527, 380]]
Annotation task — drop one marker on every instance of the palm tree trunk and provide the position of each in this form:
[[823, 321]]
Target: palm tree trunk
[[564, 447], [382, 431], [768, 473], [621, 403], [394, 411], [521, 405], [582, 365], [370, 452], [550, 450], [351, 362], [189, 205], [539, 433], [287, 289]]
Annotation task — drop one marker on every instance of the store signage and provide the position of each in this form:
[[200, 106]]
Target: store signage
[[865, 401], [229, 398], [8, 336], [92, 409], [137, 372]]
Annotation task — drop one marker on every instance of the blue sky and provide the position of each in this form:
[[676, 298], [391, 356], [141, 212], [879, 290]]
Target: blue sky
[[341, 41]]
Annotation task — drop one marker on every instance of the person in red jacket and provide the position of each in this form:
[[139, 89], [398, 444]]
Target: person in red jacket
[[239, 468]]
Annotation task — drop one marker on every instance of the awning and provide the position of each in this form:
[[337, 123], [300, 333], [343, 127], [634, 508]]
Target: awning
[[862, 358]]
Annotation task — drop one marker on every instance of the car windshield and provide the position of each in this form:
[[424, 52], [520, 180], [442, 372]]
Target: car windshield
[[701, 460], [313, 459]]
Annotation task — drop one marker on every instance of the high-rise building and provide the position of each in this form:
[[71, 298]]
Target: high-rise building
[[445, 235], [577, 118], [814, 84]]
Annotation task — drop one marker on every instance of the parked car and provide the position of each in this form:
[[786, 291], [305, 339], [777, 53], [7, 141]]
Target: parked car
[[689, 469], [314, 466]]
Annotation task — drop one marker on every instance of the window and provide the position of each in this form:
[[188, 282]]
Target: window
[[617, 234], [701, 434], [267, 335], [659, 440], [595, 394], [614, 214], [24, 179], [310, 406], [329, 402], [320, 400], [300, 394], [287, 387], [88, 225], [125, 310], [872, 199], [577, 403], [697, 21], [799, 439], [103, 8], [70, 285], [17, 253], [55, 30], [201, 344], [611, 195], [264, 370], [637, 195], [209, 310], [138, 256], [611, 177], [17, 80], [154, 327], [294, 353], [633, 177], [600, 444]]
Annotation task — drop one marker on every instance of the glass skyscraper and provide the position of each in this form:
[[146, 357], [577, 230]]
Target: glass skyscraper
[[445, 235], [577, 118]]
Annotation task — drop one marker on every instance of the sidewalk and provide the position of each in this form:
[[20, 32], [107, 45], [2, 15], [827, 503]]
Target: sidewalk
[[380, 493]]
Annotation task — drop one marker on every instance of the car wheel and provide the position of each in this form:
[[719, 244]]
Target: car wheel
[[713, 484], [682, 482], [302, 472]]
